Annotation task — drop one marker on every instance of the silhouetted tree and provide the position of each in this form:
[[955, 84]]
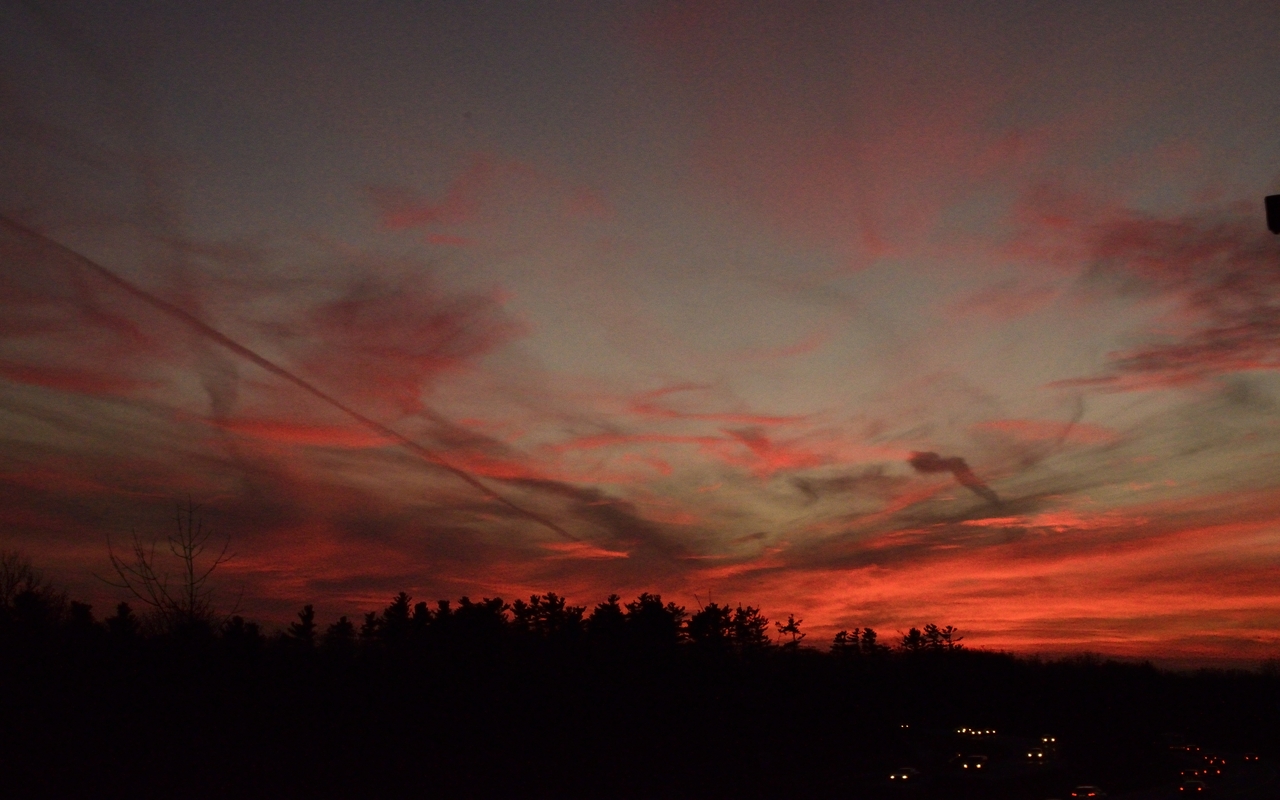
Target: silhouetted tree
[[607, 623], [181, 601], [870, 642], [396, 619], [241, 636], [483, 621], [792, 629], [547, 616], [123, 626], [340, 636], [653, 624], [750, 628], [80, 624], [932, 637], [36, 613], [711, 625], [913, 641], [304, 630], [17, 575], [950, 641], [370, 628], [383, 716], [845, 643], [420, 622]]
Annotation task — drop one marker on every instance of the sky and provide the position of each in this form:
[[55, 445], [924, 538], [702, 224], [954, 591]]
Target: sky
[[874, 314]]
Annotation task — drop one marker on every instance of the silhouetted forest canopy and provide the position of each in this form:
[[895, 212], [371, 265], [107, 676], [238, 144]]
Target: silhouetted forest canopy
[[537, 697]]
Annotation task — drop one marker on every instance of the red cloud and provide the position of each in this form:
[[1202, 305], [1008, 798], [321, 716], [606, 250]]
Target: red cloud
[[585, 550], [770, 456], [383, 344], [1138, 582], [286, 432]]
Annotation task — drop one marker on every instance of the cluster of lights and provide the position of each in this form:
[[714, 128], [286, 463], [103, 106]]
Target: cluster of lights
[[976, 732]]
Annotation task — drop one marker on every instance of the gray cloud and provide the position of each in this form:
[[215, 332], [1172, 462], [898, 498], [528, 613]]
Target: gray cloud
[[932, 462]]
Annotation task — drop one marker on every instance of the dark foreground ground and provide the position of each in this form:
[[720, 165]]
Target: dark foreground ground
[[485, 708]]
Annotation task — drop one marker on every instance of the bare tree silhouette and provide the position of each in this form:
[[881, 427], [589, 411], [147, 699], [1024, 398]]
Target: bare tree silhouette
[[184, 600], [17, 575]]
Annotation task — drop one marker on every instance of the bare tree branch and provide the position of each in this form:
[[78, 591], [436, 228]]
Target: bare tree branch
[[182, 601]]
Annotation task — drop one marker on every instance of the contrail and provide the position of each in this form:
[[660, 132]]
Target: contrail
[[209, 332], [932, 462]]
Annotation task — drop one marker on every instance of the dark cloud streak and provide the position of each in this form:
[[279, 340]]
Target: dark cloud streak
[[932, 462]]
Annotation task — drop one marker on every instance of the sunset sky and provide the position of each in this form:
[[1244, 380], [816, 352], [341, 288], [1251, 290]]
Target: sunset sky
[[879, 314]]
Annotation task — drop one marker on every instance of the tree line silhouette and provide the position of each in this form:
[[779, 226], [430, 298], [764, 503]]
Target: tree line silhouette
[[539, 697]]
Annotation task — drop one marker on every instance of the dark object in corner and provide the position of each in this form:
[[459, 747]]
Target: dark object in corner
[[1273, 213]]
